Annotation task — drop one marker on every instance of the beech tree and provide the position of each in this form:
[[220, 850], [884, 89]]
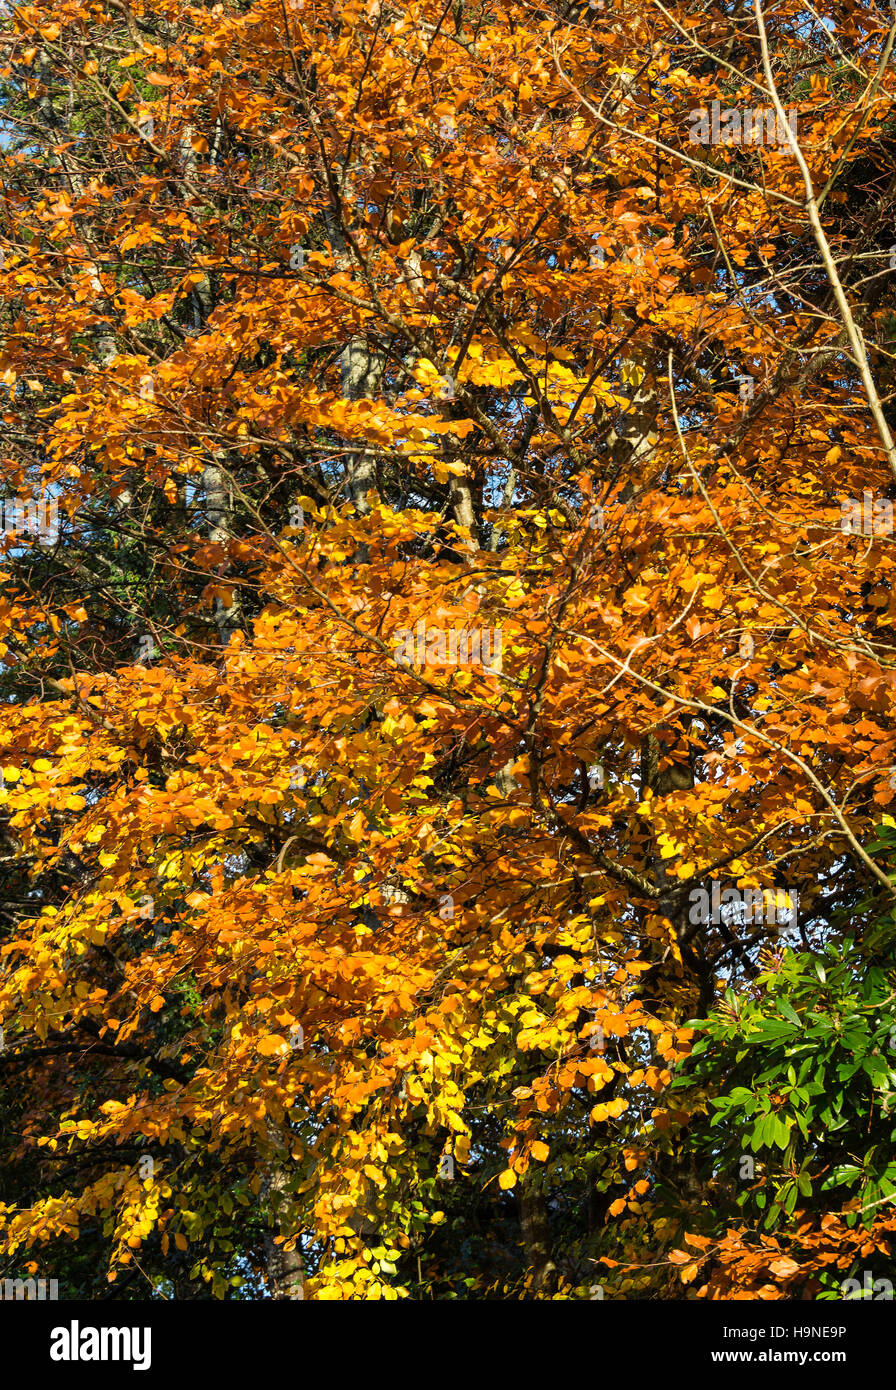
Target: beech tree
[[446, 645]]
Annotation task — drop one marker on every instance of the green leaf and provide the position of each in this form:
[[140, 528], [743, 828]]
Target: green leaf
[[845, 1173], [782, 1133]]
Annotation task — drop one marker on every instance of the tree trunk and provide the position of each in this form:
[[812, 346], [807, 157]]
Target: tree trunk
[[362, 371], [284, 1271], [228, 616], [536, 1234]]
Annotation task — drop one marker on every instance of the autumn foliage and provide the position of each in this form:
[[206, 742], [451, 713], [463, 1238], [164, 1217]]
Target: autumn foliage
[[332, 966]]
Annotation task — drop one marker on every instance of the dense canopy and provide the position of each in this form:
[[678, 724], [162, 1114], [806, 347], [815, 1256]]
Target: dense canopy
[[446, 648]]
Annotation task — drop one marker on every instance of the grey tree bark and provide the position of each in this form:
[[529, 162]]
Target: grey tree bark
[[284, 1270], [228, 616], [362, 372]]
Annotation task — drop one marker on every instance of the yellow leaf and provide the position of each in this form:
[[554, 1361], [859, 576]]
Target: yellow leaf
[[540, 1151], [180, 1240], [507, 1179]]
